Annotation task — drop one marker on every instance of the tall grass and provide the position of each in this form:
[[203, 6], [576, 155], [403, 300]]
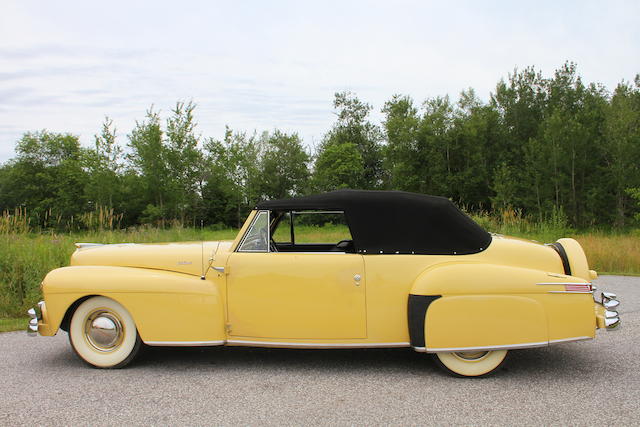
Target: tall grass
[[512, 222], [27, 256], [8, 324], [610, 253], [101, 218], [16, 221]]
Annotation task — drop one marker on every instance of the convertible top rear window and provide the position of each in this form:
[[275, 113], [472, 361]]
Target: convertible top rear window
[[397, 222]]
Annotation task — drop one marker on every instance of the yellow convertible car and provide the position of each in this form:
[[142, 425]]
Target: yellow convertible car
[[405, 270]]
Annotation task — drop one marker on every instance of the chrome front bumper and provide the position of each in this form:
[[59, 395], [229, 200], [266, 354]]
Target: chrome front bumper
[[610, 317], [35, 314]]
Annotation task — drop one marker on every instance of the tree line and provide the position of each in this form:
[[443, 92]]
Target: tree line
[[545, 146]]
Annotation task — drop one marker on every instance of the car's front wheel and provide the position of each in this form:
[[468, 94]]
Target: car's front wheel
[[103, 333], [471, 363]]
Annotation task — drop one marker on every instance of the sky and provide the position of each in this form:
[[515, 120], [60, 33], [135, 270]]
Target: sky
[[256, 65]]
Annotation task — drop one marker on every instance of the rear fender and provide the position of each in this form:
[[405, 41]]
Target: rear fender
[[479, 305], [577, 258]]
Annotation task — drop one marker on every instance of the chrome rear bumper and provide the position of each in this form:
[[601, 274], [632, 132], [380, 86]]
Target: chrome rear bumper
[[35, 314]]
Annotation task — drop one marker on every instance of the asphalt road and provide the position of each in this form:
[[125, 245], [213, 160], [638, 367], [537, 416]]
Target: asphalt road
[[592, 382]]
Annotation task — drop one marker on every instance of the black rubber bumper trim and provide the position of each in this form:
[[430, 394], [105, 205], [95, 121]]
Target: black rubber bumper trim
[[417, 311], [563, 256]]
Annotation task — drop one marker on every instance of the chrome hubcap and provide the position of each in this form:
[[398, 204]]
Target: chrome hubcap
[[471, 355], [104, 330]]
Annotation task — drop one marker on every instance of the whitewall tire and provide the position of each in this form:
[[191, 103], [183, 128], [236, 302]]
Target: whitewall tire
[[103, 333], [471, 364]]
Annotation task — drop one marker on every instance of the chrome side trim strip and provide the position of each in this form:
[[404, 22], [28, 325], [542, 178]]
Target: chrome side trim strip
[[570, 340], [563, 283], [316, 345], [356, 345], [184, 343], [570, 292], [494, 347]]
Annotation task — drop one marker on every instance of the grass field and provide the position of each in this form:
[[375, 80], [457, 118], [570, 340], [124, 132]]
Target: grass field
[[25, 258], [13, 324]]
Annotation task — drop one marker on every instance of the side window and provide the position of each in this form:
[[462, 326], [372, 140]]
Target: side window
[[311, 231], [320, 227], [282, 233], [257, 237]]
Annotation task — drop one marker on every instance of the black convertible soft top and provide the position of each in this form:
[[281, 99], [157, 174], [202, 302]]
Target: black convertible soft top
[[396, 222]]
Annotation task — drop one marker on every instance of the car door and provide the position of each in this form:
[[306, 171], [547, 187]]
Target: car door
[[295, 295]]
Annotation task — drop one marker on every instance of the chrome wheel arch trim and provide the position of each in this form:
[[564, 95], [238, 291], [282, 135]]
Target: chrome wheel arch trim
[[570, 340], [500, 347], [488, 348]]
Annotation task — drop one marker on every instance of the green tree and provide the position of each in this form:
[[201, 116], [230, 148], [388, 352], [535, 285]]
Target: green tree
[[339, 165], [183, 160], [419, 149], [148, 158], [622, 130], [404, 155], [232, 178], [46, 178], [103, 163], [634, 193], [504, 187], [436, 142], [353, 127], [521, 103], [553, 134], [475, 133], [284, 165]]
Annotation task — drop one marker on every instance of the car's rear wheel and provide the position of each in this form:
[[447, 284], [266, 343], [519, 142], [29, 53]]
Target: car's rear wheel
[[103, 333], [471, 363]]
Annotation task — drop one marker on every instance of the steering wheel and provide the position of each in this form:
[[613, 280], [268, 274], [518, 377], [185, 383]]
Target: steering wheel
[[344, 244], [257, 242], [253, 244]]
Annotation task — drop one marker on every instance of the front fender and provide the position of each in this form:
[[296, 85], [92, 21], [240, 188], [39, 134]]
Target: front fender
[[167, 307]]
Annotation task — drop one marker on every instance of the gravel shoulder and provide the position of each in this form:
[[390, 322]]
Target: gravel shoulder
[[590, 382]]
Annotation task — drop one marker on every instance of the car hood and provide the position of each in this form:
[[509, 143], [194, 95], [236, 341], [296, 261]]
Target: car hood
[[188, 258]]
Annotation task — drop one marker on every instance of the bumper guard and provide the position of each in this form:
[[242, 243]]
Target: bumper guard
[[35, 314], [611, 317]]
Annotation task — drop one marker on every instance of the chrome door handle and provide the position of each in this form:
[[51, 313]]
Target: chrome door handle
[[219, 269]]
